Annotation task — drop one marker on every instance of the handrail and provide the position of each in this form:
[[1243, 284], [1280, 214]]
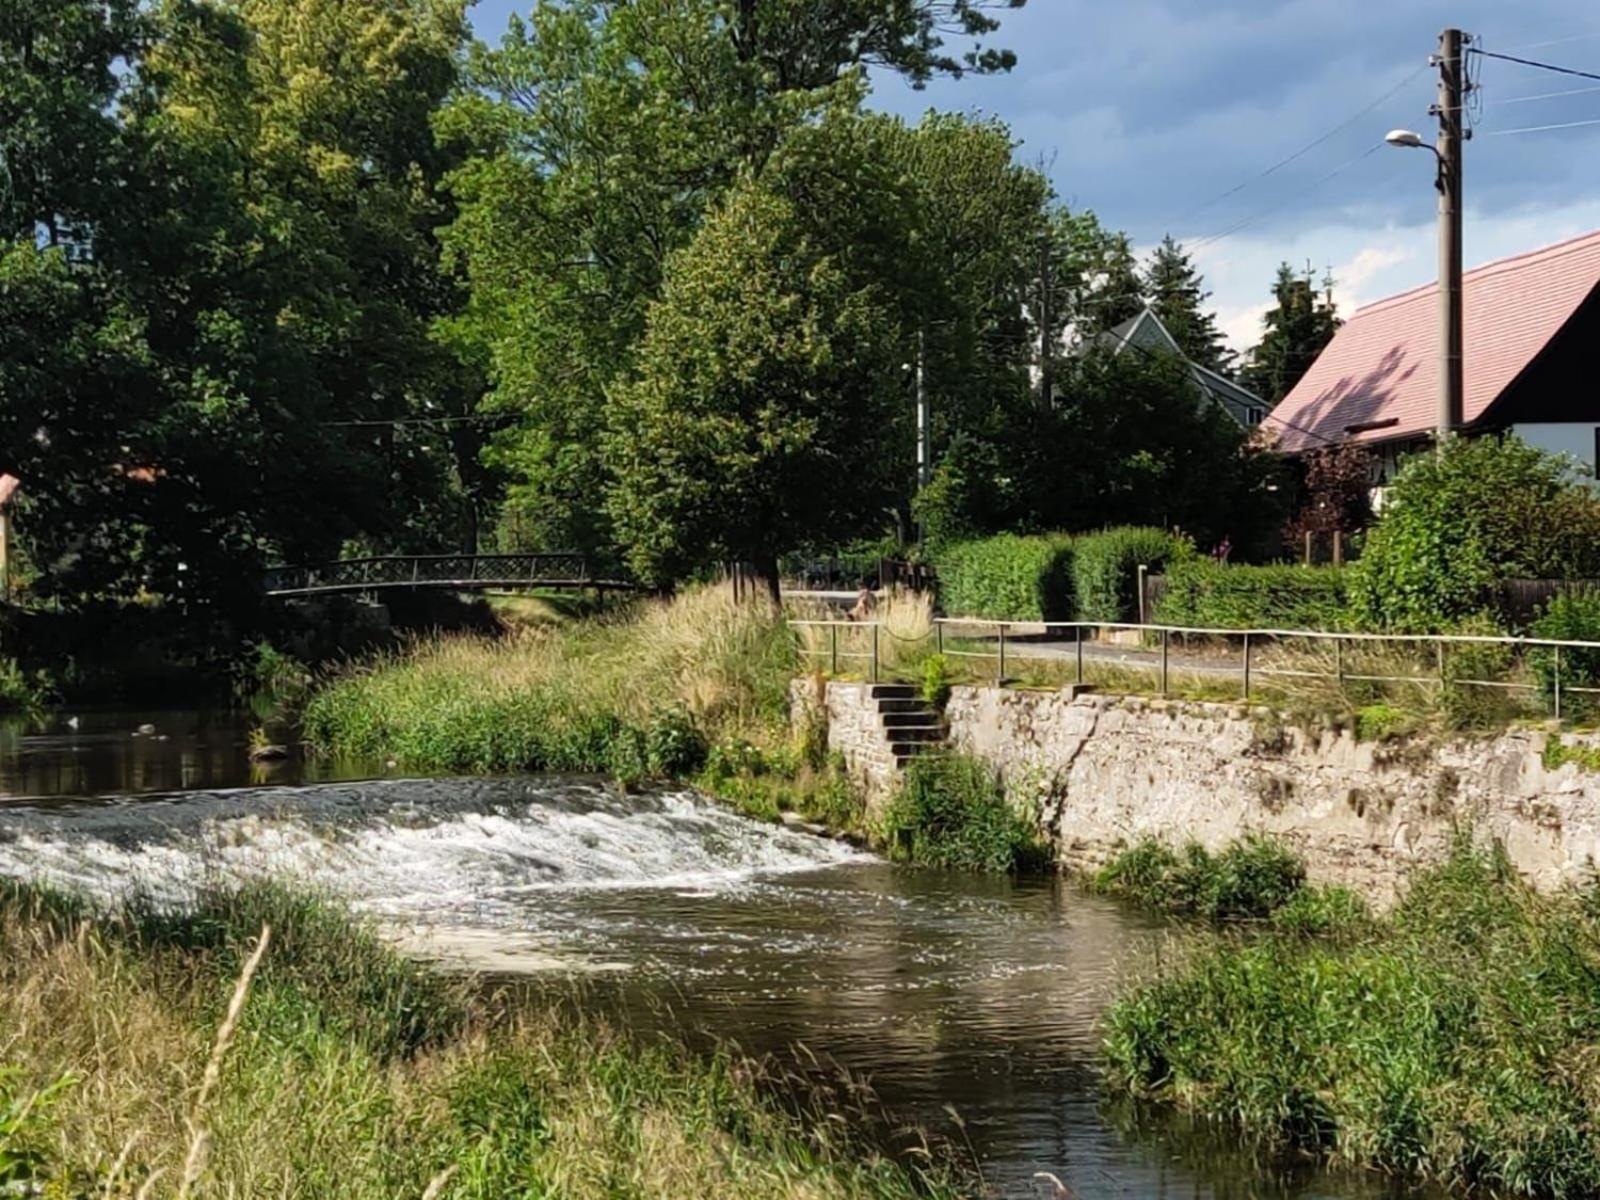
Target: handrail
[[1250, 638]]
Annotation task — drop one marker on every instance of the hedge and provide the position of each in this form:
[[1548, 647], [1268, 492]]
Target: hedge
[[1210, 595], [1007, 577], [1105, 568]]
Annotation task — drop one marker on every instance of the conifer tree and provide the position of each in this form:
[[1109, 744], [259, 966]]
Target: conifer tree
[[1298, 327], [1177, 295]]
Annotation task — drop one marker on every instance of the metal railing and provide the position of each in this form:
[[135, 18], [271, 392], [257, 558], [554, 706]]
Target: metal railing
[[1560, 668], [462, 571]]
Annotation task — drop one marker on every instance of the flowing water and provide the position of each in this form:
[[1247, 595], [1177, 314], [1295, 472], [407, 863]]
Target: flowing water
[[955, 995]]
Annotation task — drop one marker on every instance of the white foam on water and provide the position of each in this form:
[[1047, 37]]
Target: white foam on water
[[412, 864]]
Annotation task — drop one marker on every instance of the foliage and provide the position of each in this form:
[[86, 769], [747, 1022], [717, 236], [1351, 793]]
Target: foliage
[[935, 688], [1457, 523], [360, 1073], [1177, 295], [1338, 493], [1251, 878], [1007, 578], [769, 364], [22, 691], [952, 811], [1382, 722], [1436, 1043], [1202, 594], [1571, 616], [1297, 329], [1465, 706], [639, 694], [1105, 568]]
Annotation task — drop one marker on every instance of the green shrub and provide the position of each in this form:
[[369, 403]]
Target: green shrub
[[1251, 878], [1439, 1042], [1008, 577], [1569, 617], [952, 811], [1469, 706], [1202, 594], [22, 691], [1105, 568], [935, 688], [1382, 721], [1455, 524]]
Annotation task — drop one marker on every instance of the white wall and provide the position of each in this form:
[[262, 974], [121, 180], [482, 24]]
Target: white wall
[[1575, 440]]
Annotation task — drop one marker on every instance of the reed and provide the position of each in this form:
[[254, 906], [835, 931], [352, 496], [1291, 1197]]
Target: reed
[[1453, 1040], [130, 1072]]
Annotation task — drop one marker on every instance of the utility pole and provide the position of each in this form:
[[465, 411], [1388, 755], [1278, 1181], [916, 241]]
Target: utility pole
[[1047, 382], [1452, 89], [924, 435]]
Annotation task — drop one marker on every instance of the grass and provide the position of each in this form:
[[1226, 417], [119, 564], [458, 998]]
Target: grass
[[639, 692], [338, 1069], [1455, 1039], [952, 811], [1251, 878], [23, 692]]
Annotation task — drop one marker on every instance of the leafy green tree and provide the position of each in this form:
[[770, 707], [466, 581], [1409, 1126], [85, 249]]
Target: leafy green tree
[[1455, 524], [1301, 323], [1177, 295], [768, 371], [598, 135]]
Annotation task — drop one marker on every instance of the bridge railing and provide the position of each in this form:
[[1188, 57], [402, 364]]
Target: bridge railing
[[404, 570]]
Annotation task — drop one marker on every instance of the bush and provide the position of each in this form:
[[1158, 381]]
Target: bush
[[1008, 577], [1469, 706], [935, 688], [1570, 617], [1251, 878], [1105, 568], [1208, 595], [952, 811], [1439, 1042], [1455, 524]]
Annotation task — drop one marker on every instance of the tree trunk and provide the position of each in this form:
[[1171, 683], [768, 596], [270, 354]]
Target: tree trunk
[[766, 569]]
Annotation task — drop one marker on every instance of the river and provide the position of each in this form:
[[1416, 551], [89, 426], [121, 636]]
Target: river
[[971, 1004]]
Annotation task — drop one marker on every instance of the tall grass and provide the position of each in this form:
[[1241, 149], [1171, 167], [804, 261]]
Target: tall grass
[[1456, 1039], [952, 811], [634, 693], [344, 1071]]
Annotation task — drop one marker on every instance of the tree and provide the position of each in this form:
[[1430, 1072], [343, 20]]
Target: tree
[[1338, 492], [768, 370], [599, 134], [1298, 327], [1177, 295]]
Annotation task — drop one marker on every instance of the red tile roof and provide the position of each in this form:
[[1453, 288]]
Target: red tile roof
[[1383, 366]]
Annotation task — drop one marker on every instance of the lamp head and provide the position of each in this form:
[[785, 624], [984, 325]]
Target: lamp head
[[1404, 138]]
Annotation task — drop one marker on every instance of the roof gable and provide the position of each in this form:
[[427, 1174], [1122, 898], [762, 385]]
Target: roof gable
[[1379, 377]]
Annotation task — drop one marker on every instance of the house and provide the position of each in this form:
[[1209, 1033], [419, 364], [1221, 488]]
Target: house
[[1530, 323], [1145, 333]]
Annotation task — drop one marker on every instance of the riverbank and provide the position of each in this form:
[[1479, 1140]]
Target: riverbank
[[353, 1072], [1453, 1040]]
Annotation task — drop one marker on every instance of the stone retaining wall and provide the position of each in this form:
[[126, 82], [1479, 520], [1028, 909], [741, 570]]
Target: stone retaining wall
[[1106, 771]]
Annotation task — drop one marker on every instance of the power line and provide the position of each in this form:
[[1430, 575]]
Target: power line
[[1583, 91], [1304, 150], [1288, 200], [1561, 41], [1530, 62], [1541, 128]]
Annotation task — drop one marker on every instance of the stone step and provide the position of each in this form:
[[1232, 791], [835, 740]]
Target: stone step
[[892, 691], [912, 705], [925, 719], [918, 733], [905, 752]]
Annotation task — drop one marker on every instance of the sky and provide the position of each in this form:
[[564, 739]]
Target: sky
[[1152, 113]]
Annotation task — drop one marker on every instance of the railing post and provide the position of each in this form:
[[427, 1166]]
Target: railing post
[[1439, 647], [1164, 637], [1338, 663], [874, 652], [1144, 575], [1078, 646], [938, 636], [1001, 680], [1247, 666], [833, 631], [1558, 683]]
